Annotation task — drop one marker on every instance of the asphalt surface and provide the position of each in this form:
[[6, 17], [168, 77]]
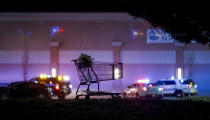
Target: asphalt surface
[[73, 96]]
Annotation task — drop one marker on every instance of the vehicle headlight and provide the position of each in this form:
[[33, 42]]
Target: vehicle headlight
[[133, 89], [160, 89], [145, 88], [70, 86]]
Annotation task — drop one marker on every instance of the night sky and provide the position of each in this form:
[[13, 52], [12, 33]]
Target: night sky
[[66, 6]]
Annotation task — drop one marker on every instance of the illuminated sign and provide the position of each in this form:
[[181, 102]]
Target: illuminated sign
[[56, 29], [158, 36]]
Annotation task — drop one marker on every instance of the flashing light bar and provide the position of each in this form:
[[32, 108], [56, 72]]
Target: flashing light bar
[[143, 81], [43, 76]]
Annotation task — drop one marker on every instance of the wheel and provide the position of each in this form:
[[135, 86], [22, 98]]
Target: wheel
[[119, 97], [159, 97], [61, 96], [41, 96], [179, 94], [137, 95], [77, 97], [124, 95], [114, 96], [87, 97]]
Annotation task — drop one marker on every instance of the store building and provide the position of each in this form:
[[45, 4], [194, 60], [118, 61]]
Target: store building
[[34, 43]]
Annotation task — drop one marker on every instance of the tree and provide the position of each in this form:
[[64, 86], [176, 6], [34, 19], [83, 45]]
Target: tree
[[25, 55], [185, 22]]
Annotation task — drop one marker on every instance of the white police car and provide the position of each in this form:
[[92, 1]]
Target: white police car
[[189, 84], [140, 89], [178, 88]]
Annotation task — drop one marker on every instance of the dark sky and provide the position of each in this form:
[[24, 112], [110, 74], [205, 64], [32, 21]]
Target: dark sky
[[67, 6], [91, 5]]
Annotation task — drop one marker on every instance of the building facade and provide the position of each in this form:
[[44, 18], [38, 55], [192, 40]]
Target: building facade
[[34, 43]]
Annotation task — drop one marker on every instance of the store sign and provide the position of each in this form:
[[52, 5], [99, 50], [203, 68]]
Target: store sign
[[158, 36]]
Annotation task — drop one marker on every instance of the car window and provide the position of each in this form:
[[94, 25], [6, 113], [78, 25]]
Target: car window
[[171, 82], [189, 81], [159, 83]]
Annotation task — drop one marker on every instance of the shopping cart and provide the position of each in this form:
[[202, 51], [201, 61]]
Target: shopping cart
[[95, 73]]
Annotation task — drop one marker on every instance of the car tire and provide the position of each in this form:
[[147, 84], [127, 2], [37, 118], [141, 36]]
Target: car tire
[[137, 95], [61, 96], [159, 97], [124, 95], [87, 97], [115, 97], [179, 94]]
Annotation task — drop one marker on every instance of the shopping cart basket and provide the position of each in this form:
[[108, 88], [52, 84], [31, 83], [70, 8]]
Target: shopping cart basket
[[94, 73]]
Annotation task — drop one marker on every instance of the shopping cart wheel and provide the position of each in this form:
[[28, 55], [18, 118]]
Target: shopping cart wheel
[[119, 97], [116, 97], [124, 95], [77, 97], [87, 97]]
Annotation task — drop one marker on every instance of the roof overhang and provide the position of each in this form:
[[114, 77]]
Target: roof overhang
[[70, 16]]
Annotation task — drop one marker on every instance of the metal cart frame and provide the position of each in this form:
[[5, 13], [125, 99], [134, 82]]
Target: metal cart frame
[[93, 74]]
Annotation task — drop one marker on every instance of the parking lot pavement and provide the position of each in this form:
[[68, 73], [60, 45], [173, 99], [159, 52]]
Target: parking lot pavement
[[73, 96]]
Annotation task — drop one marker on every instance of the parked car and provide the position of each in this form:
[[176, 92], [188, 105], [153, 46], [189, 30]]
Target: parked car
[[27, 89], [143, 90], [4, 90], [176, 88]]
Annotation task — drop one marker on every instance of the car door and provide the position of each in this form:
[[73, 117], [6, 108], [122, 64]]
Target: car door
[[169, 87]]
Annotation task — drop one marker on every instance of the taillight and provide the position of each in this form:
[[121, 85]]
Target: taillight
[[144, 88], [70, 86], [57, 87], [190, 86], [196, 86]]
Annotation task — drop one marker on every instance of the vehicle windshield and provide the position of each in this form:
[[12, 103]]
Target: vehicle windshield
[[168, 82], [188, 81]]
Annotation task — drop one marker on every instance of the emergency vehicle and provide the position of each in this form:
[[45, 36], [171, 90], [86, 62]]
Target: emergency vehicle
[[143, 89], [179, 88], [57, 86]]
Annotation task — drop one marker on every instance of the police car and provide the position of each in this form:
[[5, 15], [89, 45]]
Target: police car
[[142, 89], [57, 86], [189, 84], [179, 88]]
